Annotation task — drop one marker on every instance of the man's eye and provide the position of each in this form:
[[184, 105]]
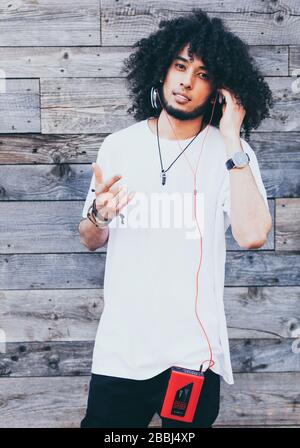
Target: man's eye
[[179, 65], [205, 75]]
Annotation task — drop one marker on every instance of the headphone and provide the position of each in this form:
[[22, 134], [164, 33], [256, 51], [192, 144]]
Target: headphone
[[154, 95]]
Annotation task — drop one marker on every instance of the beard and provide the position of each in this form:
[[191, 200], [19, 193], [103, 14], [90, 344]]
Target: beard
[[182, 114]]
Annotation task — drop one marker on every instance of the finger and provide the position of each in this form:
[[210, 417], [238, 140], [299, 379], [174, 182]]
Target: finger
[[226, 94], [103, 199], [108, 184], [125, 201], [111, 205], [105, 186], [233, 98], [116, 199], [108, 212], [98, 173]]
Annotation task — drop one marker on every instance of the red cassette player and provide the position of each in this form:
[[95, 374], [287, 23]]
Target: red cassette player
[[182, 394]]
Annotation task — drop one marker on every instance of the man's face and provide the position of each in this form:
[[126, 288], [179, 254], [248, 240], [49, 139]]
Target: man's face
[[188, 77]]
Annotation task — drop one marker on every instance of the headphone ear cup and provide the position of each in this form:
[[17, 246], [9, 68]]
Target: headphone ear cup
[[153, 97]]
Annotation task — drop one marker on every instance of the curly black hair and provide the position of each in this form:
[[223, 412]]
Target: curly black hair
[[226, 56]]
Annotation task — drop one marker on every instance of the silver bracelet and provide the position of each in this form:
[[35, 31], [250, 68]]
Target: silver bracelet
[[101, 221], [96, 218]]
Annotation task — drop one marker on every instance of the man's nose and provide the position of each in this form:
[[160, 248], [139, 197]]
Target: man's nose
[[187, 79]]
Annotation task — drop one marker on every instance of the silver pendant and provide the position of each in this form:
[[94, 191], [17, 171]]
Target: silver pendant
[[164, 177]]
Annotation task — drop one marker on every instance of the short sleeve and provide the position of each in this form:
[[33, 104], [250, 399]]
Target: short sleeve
[[253, 163], [103, 159]]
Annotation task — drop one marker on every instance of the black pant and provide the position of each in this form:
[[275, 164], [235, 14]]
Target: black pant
[[115, 402]]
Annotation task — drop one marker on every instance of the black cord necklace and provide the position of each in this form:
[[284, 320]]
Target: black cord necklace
[[163, 171]]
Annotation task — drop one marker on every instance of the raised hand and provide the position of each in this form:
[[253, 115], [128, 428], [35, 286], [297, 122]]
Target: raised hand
[[233, 115], [110, 199]]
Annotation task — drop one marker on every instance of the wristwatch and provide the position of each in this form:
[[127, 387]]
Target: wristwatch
[[238, 160]]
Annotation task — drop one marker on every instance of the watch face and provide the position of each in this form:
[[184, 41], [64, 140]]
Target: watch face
[[240, 159]]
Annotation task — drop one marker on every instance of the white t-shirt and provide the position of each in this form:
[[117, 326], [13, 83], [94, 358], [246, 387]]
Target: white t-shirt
[[149, 321]]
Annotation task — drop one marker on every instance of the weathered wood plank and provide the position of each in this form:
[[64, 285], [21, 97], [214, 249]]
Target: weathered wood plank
[[286, 101], [294, 63], [43, 402], [86, 270], [271, 59], [87, 105], [272, 161], [264, 355], [262, 312], [100, 62], [233, 6], [94, 62], [58, 182], [47, 359], [61, 401], [43, 221], [96, 105], [55, 22], [50, 315], [36, 359], [287, 224], [53, 182], [257, 268], [266, 23], [19, 105], [73, 315], [52, 271], [16, 149], [273, 151], [50, 227]]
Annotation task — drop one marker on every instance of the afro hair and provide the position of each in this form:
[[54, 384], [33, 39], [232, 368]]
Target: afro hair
[[224, 54]]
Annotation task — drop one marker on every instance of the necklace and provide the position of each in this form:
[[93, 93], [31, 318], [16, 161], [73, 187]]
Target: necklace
[[163, 171]]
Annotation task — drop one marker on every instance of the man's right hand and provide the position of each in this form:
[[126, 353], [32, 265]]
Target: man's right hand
[[110, 199]]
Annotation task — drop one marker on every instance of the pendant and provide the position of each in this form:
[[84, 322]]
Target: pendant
[[164, 177]]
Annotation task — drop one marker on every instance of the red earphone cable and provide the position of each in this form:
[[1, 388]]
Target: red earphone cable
[[211, 362]]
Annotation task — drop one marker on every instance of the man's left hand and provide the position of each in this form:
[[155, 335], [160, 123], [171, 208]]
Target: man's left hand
[[233, 115]]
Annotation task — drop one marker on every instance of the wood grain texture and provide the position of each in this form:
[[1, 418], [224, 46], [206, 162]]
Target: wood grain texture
[[71, 182], [73, 314], [37, 359], [273, 23], [52, 226], [103, 62], [19, 105], [86, 270], [287, 224], [274, 150], [50, 315], [233, 6], [254, 400], [89, 104], [61, 23], [294, 65]]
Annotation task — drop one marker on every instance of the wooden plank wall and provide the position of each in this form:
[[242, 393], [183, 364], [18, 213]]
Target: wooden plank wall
[[61, 94]]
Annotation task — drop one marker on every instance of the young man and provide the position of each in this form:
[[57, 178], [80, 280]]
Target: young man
[[193, 86]]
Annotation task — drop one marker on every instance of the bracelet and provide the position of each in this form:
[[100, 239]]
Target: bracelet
[[96, 218]]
